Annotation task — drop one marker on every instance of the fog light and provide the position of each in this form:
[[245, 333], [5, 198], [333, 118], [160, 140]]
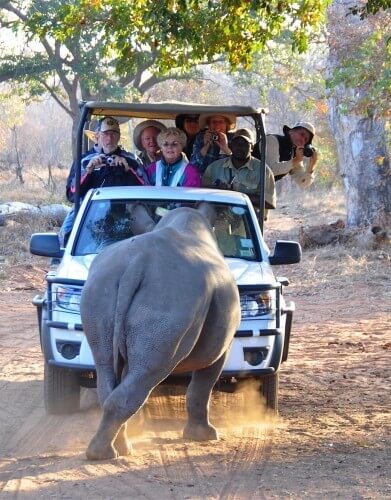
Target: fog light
[[68, 350], [255, 355]]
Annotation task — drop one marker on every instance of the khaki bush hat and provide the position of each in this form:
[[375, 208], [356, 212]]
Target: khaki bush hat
[[108, 123], [141, 127], [246, 133], [307, 125], [204, 119]]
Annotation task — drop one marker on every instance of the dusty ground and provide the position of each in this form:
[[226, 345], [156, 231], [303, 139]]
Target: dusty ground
[[332, 439]]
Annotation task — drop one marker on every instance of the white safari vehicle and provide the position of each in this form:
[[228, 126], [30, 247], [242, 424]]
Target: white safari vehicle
[[262, 341]]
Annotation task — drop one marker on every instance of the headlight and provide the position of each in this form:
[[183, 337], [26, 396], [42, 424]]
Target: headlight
[[67, 298], [256, 304]]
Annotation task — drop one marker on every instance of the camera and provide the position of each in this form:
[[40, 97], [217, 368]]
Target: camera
[[109, 160], [308, 150], [214, 137]]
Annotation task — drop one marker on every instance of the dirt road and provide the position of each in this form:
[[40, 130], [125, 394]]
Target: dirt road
[[332, 439]]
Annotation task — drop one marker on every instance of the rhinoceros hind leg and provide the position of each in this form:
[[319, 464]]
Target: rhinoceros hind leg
[[102, 446], [198, 432], [136, 424], [198, 427], [122, 444], [100, 451]]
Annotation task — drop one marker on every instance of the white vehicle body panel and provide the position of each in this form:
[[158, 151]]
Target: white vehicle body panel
[[252, 333]]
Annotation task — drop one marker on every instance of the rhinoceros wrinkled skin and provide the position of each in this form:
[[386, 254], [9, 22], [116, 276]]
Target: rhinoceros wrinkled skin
[[159, 303]]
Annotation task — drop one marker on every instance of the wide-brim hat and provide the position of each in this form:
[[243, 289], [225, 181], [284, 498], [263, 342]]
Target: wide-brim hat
[[307, 125], [231, 119], [141, 127], [180, 119]]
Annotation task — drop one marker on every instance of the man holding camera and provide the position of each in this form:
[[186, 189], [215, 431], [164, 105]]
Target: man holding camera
[[106, 164], [112, 166], [292, 153], [212, 142]]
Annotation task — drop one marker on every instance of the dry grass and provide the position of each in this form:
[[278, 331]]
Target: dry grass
[[15, 234], [329, 266], [34, 190]]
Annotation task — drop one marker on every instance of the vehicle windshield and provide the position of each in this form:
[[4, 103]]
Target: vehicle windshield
[[109, 221]]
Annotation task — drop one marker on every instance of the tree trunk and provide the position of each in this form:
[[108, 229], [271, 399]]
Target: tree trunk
[[364, 159], [364, 166], [51, 184], [19, 166]]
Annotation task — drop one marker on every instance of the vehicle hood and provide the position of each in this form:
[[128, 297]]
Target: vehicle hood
[[245, 272], [72, 267], [251, 273]]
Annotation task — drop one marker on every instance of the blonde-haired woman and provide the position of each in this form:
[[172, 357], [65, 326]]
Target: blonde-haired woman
[[173, 169]]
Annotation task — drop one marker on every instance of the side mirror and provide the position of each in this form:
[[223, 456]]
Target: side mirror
[[46, 245], [286, 252]]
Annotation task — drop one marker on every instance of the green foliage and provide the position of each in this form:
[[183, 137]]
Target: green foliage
[[368, 72], [370, 7], [118, 49], [178, 34]]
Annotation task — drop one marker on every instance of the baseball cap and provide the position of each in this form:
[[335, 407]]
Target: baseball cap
[[246, 133], [108, 123]]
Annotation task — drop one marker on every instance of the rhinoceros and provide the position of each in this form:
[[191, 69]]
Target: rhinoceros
[[158, 303]]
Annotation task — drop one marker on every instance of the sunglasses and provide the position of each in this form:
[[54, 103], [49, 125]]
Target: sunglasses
[[193, 119]]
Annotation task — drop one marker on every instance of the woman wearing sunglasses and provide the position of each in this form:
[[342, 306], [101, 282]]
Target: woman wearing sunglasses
[[173, 169], [190, 126]]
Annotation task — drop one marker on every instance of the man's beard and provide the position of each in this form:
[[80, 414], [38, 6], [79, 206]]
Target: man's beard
[[109, 149]]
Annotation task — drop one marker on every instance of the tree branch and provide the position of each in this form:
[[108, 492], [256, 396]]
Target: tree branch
[[55, 97]]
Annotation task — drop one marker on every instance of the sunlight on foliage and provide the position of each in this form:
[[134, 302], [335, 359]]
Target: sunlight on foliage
[[368, 71], [181, 33]]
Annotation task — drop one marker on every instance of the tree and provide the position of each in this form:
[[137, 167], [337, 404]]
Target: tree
[[12, 113], [357, 113], [118, 49]]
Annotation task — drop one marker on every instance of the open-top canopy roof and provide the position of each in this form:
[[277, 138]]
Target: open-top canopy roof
[[165, 110]]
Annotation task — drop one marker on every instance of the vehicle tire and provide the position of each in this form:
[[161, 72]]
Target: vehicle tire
[[270, 391], [61, 390]]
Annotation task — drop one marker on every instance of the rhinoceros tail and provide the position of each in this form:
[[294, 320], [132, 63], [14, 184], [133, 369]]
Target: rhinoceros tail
[[128, 285]]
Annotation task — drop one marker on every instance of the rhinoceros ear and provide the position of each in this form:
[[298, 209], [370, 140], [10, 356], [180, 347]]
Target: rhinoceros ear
[[208, 211], [140, 220]]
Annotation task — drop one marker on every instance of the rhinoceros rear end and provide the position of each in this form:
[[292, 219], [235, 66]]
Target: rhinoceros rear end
[[162, 302]]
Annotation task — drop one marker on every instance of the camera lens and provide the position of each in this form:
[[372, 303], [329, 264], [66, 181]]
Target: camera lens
[[308, 151], [215, 137]]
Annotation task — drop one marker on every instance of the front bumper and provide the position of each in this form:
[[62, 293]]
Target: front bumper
[[258, 348]]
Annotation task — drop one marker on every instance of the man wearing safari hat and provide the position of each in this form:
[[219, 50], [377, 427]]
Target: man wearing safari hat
[[145, 139], [212, 142], [292, 153], [241, 171]]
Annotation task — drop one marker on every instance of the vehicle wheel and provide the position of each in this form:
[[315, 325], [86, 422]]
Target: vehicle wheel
[[61, 390], [270, 391]]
